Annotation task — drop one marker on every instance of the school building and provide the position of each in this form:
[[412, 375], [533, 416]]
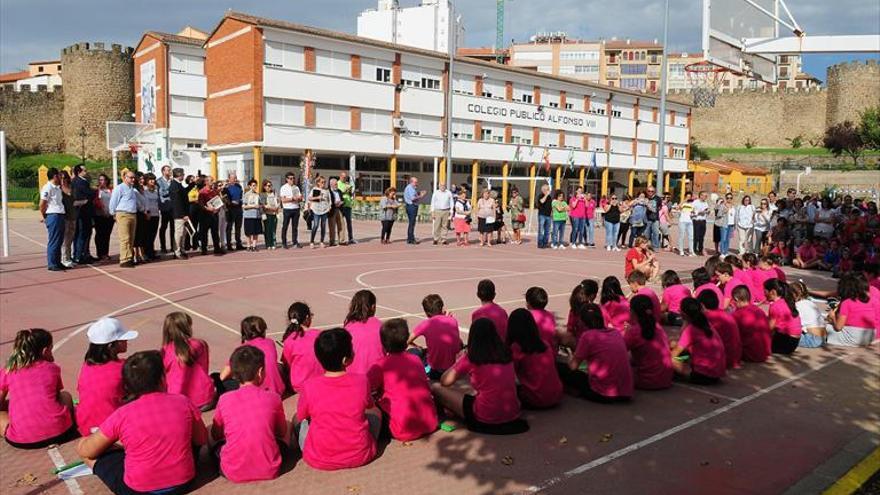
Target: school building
[[262, 96]]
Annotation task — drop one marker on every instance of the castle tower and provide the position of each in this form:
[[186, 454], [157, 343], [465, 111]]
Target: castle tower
[[852, 87], [97, 88]]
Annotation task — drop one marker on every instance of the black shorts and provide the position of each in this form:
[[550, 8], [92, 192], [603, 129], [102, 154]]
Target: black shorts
[[784, 344], [65, 437], [701, 379], [673, 319], [483, 227], [716, 234], [110, 469], [514, 427], [253, 226]]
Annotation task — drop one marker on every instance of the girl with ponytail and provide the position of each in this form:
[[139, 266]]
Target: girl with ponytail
[[298, 352], [41, 412], [785, 321], [698, 356], [648, 345], [186, 361], [364, 327]]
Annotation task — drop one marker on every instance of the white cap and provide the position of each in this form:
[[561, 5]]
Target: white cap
[[107, 330]]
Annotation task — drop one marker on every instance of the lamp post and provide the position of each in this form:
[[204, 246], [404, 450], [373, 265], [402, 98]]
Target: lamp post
[[661, 139], [82, 136], [450, 81]]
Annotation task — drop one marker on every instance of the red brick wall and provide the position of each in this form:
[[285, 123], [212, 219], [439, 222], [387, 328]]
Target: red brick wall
[[355, 118], [355, 66], [159, 55]]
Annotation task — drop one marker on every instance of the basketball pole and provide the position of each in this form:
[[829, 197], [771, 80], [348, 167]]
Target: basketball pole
[[4, 191], [661, 139]]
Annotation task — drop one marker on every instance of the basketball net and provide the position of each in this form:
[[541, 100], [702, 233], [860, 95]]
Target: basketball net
[[704, 80]]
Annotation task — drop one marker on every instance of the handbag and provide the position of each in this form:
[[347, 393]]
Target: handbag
[[521, 218], [490, 220]]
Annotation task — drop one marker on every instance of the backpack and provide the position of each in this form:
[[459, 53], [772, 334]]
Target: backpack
[[639, 215]]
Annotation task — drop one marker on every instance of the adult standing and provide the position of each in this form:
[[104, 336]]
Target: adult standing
[[103, 220], [441, 209], [319, 197], [83, 201], [823, 220], [577, 206], [178, 196], [346, 187], [545, 216], [731, 222], [195, 210], [686, 226], [625, 212], [388, 207], [763, 218], [700, 215], [234, 216], [611, 219], [517, 214], [252, 212], [52, 210], [290, 199], [590, 220], [124, 207], [270, 204], [152, 214], [411, 197], [652, 219], [334, 216], [745, 224], [485, 217], [720, 231], [461, 218], [69, 220], [166, 211], [211, 206]]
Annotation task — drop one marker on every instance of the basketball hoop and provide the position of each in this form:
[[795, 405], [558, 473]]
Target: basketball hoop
[[133, 149], [705, 79]]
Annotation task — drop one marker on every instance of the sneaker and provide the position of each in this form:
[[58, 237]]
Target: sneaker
[[607, 248], [562, 247], [692, 254], [352, 241], [617, 249], [67, 264], [556, 247], [127, 264], [581, 246], [682, 254]]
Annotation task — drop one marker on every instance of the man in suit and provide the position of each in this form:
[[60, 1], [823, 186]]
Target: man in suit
[[178, 197], [84, 202]]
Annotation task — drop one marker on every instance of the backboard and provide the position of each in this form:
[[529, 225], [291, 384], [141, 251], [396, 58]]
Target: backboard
[[122, 134], [726, 26]]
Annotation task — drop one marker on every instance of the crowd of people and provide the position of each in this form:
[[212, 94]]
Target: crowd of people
[[372, 379]]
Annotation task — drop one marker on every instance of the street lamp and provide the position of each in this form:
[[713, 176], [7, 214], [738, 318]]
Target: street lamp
[[82, 136], [661, 139]]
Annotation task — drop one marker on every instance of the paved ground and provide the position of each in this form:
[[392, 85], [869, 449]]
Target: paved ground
[[766, 427]]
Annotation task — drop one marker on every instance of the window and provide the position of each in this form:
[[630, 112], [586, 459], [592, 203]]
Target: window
[[383, 75], [283, 55], [193, 146], [462, 129], [596, 143], [653, 86], [185, 105], [597, 108], [783, 59], [621, 145], [612, 58], [554, 104], [418, 77], [333, 117], [40, 68], [783, 72], [493, 89], [615, 113], [430, 83], [332, 63], [586, 69], [678, 152], [284, 112], [634, 84], [644, 148], [634, 69], [463, 85], [422, 125], [549, 138], [59, 67], [544, 55], [377, 121], [527, 98], [521, 135], [579, 55], [569, 106], [187, 64]]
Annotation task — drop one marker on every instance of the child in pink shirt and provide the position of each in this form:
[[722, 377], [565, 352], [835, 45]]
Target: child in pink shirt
[[38, 411], [615, 306], [725, 325], [495, 407], [362, 324], [638, 285], [754, 327], [249, 425], [186, 362], [783, 315], [298, 353], [534, 362], [441, 335], [536, 301], [337, 424], [253, 333], [703, 282], [649, 346], [157, 431], [707, 361], [490, 310], [100, 380], [673, 293], [730, 279], [400, 382], [609, 377]]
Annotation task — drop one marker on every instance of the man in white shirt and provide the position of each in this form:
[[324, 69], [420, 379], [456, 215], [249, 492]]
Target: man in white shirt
[[52, 209], [700, 214], [290, 198], [441, 208]]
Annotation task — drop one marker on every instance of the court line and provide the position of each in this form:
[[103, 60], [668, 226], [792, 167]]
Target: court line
[[508, 273], [556, 480], [72, 485], [705, 392], [359, 278]]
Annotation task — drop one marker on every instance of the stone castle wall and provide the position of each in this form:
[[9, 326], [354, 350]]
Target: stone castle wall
[[852, 87], [33, 120]]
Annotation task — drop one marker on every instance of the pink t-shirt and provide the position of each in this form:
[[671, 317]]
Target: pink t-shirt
[[193, 380], [759, 276], [496, 401], [616, 313], [299, 356], [271, 374], [754, 331], [539, 381], [807, 253], [100, 391], [574, 325], [156, 431], [578, 207], [608, 362], [674, 295], [655, 301], [252, 421], [725, 325], [34, 411], [711, 288], [651, 359], [339, 434], [858, 314], [874, 298], [366, 344], [444, 342], [546, 322], [783, 321], [731, 284], [405, 395], [495, 313], [707, 352], [780, 273], [591, 209]]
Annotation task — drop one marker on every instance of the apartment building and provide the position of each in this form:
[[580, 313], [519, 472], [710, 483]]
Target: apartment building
[[556, 54], [427, 25], [43, 73], [789, 75], [633, 65]]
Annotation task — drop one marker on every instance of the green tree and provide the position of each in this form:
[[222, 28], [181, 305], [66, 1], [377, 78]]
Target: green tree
[[844, 139], [697, 151], [869, 128]]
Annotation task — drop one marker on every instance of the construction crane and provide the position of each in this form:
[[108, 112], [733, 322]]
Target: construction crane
[[499, 31]]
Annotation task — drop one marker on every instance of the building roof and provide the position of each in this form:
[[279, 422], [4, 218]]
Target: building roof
[[45, 62], [809, 77], [175, 38], [14, 76], [623, 44], [291, 26], [728, 166], [481, 51]]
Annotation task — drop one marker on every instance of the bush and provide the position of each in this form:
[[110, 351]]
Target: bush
[[796, 142]]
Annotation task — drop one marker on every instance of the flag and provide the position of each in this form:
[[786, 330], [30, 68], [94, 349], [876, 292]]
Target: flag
[[517, 154], [570, 159], [546, 159], [593, 167]]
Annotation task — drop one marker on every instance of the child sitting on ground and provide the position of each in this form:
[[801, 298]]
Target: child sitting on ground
[[754, 327], [673, 293], [249, 424], [806, 256], [363, 326], [730, 278], [638, 286], [536, 302], [337, 425], [609, 377], [706, 362], [615, 307], [157, 431], [186, 362], [534, 361], [100, 380], [703, 282], [490, 310], [399, 381], [441, 335], [725, 325], [494, 408], [35, 411], [253, 333], [753, 278], [812, 320], [783, 315], [298, 353], [647, 342]]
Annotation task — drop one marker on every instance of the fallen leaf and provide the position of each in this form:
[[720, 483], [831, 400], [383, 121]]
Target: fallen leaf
[[606, 437], [353, 489], [27, 480], [714, 400], [407, 444], [507, 460], [563, 440]]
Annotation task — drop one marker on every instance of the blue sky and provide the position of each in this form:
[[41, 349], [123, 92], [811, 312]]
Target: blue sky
[[38, 29]]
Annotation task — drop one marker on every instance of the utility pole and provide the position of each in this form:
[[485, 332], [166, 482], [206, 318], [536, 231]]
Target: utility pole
[[661, 139], [450, 82]]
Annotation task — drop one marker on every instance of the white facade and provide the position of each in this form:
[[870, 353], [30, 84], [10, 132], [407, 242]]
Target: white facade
[[48, 80], [425, 26]]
